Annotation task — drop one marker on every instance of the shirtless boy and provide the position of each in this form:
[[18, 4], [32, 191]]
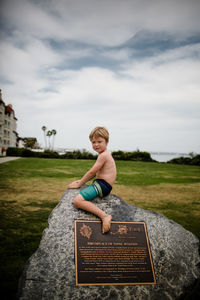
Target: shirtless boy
[[104, 170]]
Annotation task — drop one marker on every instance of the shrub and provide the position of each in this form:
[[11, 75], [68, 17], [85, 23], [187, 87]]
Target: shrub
[[196, 160], [14, 151], [186, 160], [23, 152], [48, 154], [77, 154], [135, 156]]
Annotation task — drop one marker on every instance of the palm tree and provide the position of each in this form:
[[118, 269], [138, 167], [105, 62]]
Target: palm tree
[[45, 140], [49, 134], [54, 133]]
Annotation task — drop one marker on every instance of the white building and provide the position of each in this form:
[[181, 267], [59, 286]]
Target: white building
[[8, 126]]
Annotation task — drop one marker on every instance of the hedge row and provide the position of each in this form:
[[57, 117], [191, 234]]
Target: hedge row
[[135, 156], [23, 152], [118, 155], [195, 161]]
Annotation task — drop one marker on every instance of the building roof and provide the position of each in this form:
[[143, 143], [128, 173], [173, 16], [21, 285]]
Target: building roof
[[8, 108]]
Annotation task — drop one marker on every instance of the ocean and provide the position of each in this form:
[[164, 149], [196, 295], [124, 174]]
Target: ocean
[[164, 157]]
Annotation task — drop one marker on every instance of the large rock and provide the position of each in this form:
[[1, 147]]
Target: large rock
[[50, 272]]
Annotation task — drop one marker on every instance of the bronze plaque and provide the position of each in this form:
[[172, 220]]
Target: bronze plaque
[[120, 257]]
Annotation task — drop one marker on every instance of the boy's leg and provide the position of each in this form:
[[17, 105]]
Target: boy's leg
[[80, 202]]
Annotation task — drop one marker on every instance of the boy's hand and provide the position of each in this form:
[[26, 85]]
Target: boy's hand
[[75, 184]]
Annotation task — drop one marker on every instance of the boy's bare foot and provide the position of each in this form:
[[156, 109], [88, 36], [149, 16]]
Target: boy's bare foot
[[106, 223]]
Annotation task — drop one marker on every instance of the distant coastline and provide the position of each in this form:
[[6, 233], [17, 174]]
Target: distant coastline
[[166, 156]]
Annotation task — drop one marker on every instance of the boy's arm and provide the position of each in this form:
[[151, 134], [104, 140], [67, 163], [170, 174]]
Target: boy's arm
[[91, 173]]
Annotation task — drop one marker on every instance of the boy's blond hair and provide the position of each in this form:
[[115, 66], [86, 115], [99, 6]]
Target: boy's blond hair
[[99, 132]]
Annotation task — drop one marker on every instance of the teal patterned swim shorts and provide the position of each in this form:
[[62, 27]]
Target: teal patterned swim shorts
[[99, 188]]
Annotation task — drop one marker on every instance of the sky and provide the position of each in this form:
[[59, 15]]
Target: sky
[[132, 66]]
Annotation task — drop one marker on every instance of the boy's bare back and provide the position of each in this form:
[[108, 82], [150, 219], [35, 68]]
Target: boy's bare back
[[108, 171]]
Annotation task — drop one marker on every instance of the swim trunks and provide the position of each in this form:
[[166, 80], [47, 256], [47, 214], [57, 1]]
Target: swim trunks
[[99, 188]]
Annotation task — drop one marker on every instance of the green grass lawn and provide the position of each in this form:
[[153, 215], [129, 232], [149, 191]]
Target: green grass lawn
[[31, 187]]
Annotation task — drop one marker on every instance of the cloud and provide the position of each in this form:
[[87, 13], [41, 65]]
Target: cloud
[[112, 23], [132, 66], [140, 109], [105, 22]]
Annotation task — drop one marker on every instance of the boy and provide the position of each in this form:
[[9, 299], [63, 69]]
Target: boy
[[105, 171]]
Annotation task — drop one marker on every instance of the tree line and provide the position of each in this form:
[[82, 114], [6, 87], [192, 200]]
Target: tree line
[[77, 154], [117, 155]]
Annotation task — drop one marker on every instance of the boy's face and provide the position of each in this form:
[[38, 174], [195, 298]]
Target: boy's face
[[99, 144]]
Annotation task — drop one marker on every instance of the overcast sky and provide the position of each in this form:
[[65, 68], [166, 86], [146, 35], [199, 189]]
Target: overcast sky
[[132, 66]]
